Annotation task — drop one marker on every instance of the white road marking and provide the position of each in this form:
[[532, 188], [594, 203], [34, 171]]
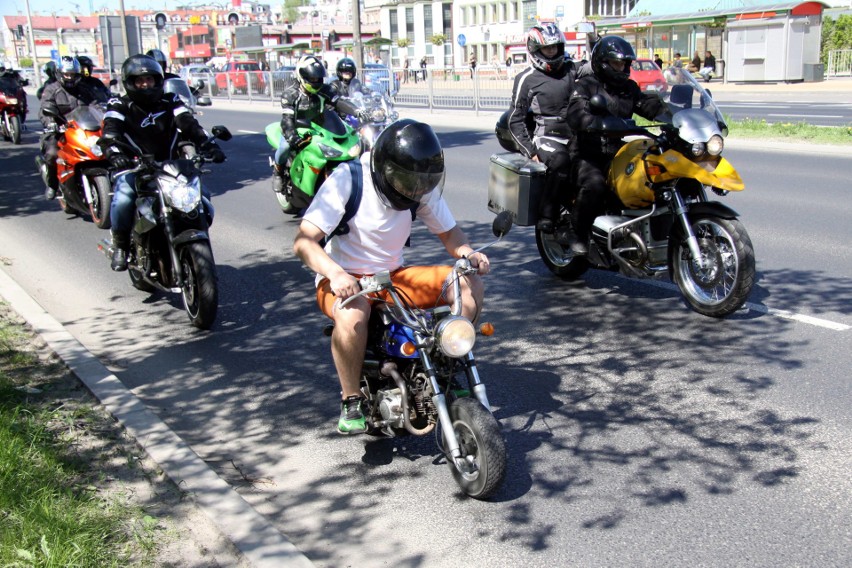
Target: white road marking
[[248, 131], [809, 115]]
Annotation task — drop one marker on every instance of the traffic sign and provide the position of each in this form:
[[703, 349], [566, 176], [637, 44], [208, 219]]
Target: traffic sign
[[461, 40]]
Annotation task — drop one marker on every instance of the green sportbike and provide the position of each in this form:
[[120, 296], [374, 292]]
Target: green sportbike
[[332, 141]]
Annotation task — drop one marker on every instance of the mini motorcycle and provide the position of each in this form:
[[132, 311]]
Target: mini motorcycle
[[12, 114], [81, 167], [420, 376], [331, 142], [170, 246], [659, 218], [379, 108]]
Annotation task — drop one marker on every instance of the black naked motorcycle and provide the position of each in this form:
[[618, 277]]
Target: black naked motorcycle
[[420, 376], [170, 246]]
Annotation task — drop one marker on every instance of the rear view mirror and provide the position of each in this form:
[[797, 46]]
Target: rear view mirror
[[222, 133]]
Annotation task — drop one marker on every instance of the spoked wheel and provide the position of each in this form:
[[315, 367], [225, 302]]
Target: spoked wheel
[[482, 448], [558, 257], [15, 129], [99, 207], [200, 287], [723, 284]]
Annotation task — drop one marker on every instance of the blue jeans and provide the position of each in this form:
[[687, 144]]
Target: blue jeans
[[282, 153], [124, 204]]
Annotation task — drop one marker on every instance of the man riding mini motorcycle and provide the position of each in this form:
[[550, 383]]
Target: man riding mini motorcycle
[[154, 122]]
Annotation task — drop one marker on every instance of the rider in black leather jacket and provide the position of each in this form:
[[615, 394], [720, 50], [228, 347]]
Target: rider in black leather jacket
[[543, 89]]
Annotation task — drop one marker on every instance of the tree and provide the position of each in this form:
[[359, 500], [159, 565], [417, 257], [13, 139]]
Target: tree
[[403, 42], [836, 34], [290, 10], [438, 39]]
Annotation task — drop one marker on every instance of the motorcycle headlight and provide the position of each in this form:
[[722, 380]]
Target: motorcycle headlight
[[455, 336], [11, 100], [378, 115], [182, 195], [715, 145], [698, 149], [355, 151], [329, 152], [92, 143]]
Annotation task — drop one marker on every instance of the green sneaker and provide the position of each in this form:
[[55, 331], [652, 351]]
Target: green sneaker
[[352, 419]]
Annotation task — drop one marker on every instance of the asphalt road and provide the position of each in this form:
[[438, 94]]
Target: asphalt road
[[639, 432]]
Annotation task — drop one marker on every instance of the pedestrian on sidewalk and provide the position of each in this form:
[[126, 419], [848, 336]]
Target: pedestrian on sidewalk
[[405, 71], [422, 67], [472, 62]]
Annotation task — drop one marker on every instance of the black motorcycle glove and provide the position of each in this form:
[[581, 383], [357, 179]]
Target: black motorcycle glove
[[119, 162], [302, 143], [215, 154]]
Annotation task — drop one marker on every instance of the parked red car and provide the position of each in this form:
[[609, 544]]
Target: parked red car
[[648, 76], [238, 76]]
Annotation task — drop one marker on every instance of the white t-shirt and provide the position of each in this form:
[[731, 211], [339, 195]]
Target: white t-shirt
[[377, 233]]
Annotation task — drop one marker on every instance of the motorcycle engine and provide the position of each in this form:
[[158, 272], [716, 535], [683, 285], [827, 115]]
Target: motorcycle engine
[[390, 407]]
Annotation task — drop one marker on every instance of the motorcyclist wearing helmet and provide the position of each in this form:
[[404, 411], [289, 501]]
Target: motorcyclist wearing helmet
[[403, 173], [63, 96], [543, 89], [303, 100], [347, 84], [49, 70], [95, 84], [592, 152], [160, 58], [153, 122], [11, 81]]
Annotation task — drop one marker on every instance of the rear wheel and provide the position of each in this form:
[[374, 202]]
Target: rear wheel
[[284, 199], [482, 449], [200, 287], [723, 284], [99, 207], [15, 129], [558, 256]]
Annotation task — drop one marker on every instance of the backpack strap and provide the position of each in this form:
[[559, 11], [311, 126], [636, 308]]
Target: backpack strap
[[354, 201]]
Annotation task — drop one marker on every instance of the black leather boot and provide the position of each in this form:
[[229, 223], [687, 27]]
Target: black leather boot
[[120, 245]]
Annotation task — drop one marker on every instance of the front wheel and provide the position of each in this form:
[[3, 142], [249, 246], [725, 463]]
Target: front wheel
[[723, 284], [482, 449], [99, 207], [284, 200], [200, 287], [15, 129], [558, 257]]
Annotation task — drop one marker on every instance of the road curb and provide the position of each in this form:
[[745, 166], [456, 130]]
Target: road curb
[[254, 536]]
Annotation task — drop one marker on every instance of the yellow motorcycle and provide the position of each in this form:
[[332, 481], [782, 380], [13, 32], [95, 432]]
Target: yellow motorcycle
[[659, 218]]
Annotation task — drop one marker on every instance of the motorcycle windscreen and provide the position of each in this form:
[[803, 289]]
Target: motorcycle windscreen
[[329, 120], [627, 175], [685, 92], [88, 117]]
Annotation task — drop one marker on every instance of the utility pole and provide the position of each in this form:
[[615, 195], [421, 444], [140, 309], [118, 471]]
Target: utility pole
[[124, 31], [357, 45], [36, 72]]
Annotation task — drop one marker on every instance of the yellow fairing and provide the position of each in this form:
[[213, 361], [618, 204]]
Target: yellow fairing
[[627, 174], [676, 165]]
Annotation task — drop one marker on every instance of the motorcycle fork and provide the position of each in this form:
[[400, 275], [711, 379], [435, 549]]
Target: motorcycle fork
[[168, 226], [440, 401], [476, 383], [680, 210]]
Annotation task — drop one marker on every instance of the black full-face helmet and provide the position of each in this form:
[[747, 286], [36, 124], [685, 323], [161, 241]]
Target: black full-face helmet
[[138, 66], [407, 164], [612, 48], [86, 65], [311, 73], [541, 36], [346, 65], [159, 57], [49, 69], [69, 72]]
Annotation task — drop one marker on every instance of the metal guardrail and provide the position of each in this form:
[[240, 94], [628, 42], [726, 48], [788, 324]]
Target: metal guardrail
[[839, 63], [487, 89]]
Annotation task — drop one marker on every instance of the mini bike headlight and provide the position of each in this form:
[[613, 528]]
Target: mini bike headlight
[[355, 151], [182, 196], [698, 149], [455, 336], [715, 145]]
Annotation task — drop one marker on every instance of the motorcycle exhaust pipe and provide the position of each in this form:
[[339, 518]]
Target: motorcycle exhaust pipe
[[389, 370]]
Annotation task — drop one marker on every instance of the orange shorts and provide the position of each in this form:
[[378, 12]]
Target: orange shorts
[[422, 284]]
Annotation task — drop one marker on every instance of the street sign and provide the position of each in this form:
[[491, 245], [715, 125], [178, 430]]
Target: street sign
[[461, 40]]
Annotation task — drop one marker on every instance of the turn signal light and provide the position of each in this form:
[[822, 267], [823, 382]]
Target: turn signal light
[[408, 349], [654, 169], [486, 329]]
